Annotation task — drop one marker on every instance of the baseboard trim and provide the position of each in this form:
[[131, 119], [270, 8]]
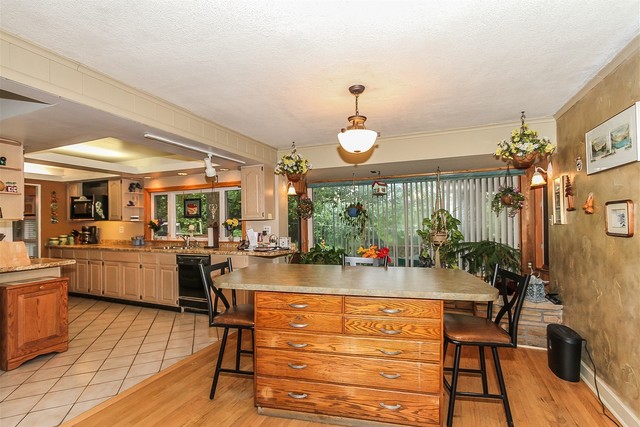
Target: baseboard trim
[[618, 409]]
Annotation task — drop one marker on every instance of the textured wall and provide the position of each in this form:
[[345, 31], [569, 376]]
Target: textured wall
[[599, 275]]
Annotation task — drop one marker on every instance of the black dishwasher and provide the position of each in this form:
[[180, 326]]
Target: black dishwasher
[[191, 295]]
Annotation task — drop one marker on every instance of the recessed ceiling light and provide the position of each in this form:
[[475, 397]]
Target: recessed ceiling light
[[182, 173], [146, 177], [223, 169]]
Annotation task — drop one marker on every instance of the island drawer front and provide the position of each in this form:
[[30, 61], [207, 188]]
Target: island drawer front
[[361, 346], [352, 402], [304, 302], [393, 307], [379, 373], [297, 321], [393, 327]]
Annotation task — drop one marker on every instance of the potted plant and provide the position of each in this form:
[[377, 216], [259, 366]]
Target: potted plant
[[440, 238], [481, 257], [293, 165], [304, 209], [355, 217], [507, 197], [231, 224], [374, 252], [523, 147], [321, 254]]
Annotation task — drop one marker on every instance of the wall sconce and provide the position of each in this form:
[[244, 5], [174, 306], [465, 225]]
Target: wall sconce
[[540, 176], [291, 191]]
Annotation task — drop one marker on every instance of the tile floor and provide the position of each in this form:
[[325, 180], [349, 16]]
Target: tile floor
[[111, 348]]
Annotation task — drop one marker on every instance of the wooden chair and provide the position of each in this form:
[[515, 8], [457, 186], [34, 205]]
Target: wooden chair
[[356, 260], [234, 316], [464, 330]]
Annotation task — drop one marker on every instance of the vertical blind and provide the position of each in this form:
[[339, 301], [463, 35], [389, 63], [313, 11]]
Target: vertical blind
[[395, 217]]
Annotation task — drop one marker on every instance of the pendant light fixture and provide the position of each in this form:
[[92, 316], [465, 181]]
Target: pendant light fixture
[[356, 138]]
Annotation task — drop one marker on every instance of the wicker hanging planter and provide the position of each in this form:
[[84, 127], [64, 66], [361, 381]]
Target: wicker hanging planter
[[525, 162], [524, 147]]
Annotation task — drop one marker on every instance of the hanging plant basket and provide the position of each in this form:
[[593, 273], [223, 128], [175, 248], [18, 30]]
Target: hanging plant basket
[[305, 208], [507, 200], [507, 197], [295, 177], [525, 162], [439, 238]]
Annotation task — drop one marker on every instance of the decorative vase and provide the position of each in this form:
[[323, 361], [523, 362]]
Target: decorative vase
[[507, 200], [294, 177], [524, 162]]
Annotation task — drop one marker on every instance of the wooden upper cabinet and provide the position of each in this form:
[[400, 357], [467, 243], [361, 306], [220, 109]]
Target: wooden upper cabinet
[[258, 192], [115, 200]]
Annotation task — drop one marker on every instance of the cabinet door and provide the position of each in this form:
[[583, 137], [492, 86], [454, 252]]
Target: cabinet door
[[115, 200], [168, 284], [82, 275], [40, 315], [112, 279], [252, 178], [130, 276], [149, 279]]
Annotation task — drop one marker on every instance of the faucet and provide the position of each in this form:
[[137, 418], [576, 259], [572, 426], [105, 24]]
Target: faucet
[[187, 240]]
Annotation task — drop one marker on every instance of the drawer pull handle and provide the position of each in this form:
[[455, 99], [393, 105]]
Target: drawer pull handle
[[292, 366], [41, 287], [389, 353], [390, 376], [299, 395], [298, 325], [389, 331], [295, 345], [298, 305], [390, 310], [390, 407]]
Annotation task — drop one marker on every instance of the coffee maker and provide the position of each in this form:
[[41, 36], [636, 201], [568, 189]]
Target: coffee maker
[[89, 234]]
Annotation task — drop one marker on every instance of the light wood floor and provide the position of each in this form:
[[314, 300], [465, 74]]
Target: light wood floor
[[179, 396]]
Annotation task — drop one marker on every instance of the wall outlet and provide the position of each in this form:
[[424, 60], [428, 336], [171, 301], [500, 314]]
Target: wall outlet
[[121, 229], [266, 229]]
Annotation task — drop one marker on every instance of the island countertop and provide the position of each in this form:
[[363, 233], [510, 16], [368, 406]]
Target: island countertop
[[398, 282], [39, 263]]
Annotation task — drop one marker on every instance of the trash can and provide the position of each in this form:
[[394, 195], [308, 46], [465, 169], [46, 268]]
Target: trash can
[[564, 346]]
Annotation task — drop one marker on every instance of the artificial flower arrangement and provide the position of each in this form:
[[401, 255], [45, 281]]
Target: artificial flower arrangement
[[231, 224], [374, 252], [507, 197], [524, 142], [156, 224], [292, 164]]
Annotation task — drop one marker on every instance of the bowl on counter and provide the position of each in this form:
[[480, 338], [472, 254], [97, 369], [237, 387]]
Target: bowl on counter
[[54, 241]]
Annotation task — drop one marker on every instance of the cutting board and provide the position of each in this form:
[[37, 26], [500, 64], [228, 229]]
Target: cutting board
[[13, 254]]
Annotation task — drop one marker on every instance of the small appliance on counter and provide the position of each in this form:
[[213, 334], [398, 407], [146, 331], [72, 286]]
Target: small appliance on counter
[[90, 235]]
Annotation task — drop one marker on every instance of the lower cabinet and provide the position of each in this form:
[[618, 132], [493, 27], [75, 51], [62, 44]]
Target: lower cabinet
[[368, 358], [121, 274], [159, 282], [33, 320]]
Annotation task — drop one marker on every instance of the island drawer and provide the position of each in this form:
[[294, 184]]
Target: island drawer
[[344, 401], [394, 307], [341, 369], [361, 346], [297, 321], [302, 302], [393, 328]]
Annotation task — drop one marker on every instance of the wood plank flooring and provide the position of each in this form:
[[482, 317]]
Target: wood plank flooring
[[179, 396]]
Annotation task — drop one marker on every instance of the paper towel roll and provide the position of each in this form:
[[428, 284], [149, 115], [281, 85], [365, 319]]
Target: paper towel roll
[[210, 236]]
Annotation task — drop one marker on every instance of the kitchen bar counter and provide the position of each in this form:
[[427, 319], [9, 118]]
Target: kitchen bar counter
[[226, 249], [357, 344], [39, 267]]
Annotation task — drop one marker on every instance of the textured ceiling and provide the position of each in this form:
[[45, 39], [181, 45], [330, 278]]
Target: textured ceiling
[[278, 71]]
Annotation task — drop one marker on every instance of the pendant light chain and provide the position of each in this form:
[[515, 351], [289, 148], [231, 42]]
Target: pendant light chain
[[522, 117], [357, 112]]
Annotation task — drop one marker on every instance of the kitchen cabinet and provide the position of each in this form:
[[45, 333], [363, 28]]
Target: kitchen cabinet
[[95, 282], [131, 200], [115, 200], [68, 271], [12, 180], [34, 320], [383, 354], [121, 274], [258, 192], [159, 278]]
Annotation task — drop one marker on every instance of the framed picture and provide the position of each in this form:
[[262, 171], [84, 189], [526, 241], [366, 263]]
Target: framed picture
[[558, 200], [614, 142], [619, 218], [192, 208], [29, 205]]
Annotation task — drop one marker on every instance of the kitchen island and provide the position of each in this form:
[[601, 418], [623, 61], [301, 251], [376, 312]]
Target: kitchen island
[[354, 343]]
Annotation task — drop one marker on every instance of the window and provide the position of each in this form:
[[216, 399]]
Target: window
[[394, 218], [170, 208]]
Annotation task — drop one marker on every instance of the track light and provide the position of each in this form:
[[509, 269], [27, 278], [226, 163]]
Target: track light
[[209, 170], [189, 147]]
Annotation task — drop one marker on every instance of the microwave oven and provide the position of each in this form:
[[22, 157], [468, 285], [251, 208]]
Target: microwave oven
[[91, 208]]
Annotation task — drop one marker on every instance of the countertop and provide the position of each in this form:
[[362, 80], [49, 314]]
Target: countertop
[[39, 263], [397, 282], [176, 248]]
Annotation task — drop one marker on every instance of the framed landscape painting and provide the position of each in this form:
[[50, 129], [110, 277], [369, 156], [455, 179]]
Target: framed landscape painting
[[614, 142]]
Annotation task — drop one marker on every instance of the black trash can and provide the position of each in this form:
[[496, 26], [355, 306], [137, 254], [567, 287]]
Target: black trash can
[[564, 346]]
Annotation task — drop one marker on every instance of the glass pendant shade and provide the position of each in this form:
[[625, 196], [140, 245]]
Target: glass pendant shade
[[357, 140], [537, 180]]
